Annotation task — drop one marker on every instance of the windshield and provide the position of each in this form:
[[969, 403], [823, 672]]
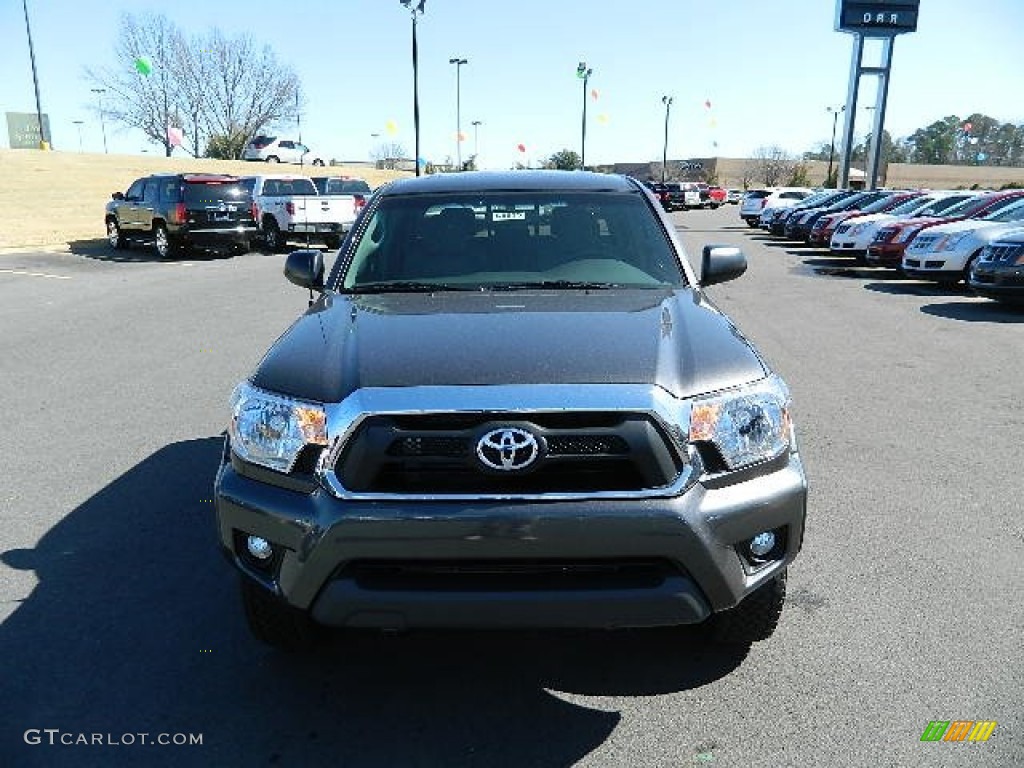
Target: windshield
[[1009, 213], [966, 207], [215, 192], [329, 186], [913, 205], [506, 240], [882, 204]]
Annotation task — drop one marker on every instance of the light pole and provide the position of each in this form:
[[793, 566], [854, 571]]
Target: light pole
[[667, 101], [78, 124], [458, 107], [417, 11], [43, 143], [103, 125], [583, 72], [832, 150]]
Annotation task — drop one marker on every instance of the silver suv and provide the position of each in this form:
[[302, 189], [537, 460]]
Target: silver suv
[[756, 200], [273, 149]]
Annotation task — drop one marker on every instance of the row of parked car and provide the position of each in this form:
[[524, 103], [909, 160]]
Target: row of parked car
[[686, 195], [178, 212], [946, 236]]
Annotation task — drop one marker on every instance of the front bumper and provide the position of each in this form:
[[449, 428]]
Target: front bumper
[[886, 254], [326, 545], [998, 283], [221, 238]]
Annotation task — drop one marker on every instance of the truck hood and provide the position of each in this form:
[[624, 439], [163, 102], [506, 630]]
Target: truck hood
[[677, 340]]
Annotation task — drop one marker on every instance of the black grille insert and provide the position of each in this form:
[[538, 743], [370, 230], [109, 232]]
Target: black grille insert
[[507, 575], [578, 453]]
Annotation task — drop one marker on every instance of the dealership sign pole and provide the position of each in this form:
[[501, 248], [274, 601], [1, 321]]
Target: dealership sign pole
[[863, 19]]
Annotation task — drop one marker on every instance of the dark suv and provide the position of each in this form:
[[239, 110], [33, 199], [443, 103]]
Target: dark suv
[[179, 211], [513, 404]]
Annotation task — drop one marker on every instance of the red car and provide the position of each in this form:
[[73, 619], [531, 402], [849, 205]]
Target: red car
[[717, 196], [892, 240], [872, 202]]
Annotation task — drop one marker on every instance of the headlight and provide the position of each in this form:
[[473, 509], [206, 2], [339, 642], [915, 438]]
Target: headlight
[[747, 426], [270, 430], [906, 234], [949, 242]]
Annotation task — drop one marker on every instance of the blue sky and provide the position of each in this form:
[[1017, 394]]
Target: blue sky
[[353, 58]]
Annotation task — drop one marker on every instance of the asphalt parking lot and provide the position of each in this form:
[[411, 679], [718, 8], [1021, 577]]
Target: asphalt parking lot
[[119, 616]]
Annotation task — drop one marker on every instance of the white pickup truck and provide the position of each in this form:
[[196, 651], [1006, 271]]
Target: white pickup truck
[[289, 207]]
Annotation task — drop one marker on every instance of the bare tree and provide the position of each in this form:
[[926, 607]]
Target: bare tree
[[215, 90], [249, 90], [387, 155], [773, 164]]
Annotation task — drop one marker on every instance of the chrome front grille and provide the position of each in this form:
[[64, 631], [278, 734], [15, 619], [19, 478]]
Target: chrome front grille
[[1005, 254]]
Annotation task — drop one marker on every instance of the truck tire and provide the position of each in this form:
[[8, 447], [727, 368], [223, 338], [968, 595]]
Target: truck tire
[[272, 235], [166, 246], [754, 619], [274, 622], [115, 236]]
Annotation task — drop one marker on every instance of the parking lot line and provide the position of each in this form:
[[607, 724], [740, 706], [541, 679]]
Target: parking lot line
[[33, 274]]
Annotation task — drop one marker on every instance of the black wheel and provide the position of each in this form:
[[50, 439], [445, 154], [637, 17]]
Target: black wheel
[[752, 223], [115, 237], [333, 242], [753, 619], [274, 622], [166, 247], [272, 236], [319, 162], [273, 159]]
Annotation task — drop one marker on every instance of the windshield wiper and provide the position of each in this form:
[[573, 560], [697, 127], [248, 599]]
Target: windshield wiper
[[566, 284], [407, 286]]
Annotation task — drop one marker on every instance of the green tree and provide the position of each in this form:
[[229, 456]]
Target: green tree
[[564, 160]]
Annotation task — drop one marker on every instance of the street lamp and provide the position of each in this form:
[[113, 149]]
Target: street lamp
[[103, 125], [78, 124], [583, 72], [667, 101], [43, 143], [832, 150], [458, 107], [476, 142], [417, 11]]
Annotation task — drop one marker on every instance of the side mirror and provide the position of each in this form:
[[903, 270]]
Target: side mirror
[[305, 269], [721, 263], [117, 196]]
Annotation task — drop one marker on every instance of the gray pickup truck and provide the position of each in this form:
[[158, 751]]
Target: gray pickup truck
[[512, 404]]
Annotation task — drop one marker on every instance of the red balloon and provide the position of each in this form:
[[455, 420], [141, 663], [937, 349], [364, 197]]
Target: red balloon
[[522, 147]]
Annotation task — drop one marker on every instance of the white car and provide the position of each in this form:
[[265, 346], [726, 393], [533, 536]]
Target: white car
[[756, 200], [854, 235], [273, 149], [945, 253]]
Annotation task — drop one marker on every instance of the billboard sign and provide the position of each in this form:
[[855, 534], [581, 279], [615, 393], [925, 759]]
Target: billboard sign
[[23, 129], [877, 18]]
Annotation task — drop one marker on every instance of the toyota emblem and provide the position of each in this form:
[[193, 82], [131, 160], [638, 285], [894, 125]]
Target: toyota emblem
[[508, 449]]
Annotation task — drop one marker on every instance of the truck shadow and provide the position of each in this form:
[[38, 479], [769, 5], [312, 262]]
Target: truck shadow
[[134, 627], [99, 249]]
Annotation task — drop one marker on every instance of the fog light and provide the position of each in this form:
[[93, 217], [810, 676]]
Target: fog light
[[760, 545], [260, 548]]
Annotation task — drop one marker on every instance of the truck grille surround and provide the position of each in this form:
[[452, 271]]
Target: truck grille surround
[[571, 452]]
